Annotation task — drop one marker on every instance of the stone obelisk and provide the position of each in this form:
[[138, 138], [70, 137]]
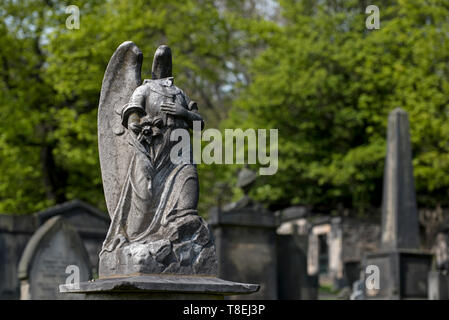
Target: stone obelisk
[[402, 266], [400, 226]]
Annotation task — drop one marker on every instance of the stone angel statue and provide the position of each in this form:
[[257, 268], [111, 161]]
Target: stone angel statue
[[152, 201]]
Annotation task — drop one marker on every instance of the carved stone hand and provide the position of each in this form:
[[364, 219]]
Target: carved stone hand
[[174, 109]]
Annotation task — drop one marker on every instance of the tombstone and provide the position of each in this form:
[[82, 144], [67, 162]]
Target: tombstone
[[245, 238], [403, 267], [359, 237], [54, 246], [90, 223], [15, 231], [246, 249], [294, 283]]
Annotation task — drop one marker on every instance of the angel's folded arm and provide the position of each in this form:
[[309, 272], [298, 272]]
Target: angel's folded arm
[[135, 108], [194, 115]]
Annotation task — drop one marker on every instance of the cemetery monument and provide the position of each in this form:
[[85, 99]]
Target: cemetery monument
[[157, 245], [245, 235], [403, 267], [53, 253]]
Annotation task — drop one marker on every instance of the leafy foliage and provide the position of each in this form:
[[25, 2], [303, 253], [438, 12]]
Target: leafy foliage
[[328, 84], [312, 70], [51, 80]]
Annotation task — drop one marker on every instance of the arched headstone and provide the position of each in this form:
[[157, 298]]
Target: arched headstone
[[53, 248]]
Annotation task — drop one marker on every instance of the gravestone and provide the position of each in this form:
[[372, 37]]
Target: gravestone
[[403, 267], [245, 238], [400, 228], [15, 231], [246, 248], [293, 281], [43, 265], [292, 245], [90, 223]]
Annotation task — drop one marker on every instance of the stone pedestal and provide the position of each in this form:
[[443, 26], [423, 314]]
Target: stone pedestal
[[402, 274], [158, 287], [15, 232], [293, 281], [245, 241]]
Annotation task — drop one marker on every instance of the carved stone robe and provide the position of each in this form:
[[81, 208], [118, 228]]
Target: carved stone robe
[[159, 197]]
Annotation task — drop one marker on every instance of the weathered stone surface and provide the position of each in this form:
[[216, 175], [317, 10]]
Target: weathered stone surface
[[400, 226], [403, 275], [293, 281], [162, 284], [15, 231], [184, 247], [151, 296], [151, 198], [117, 87], [246, 248], [90, 223], [339, 241], [403, 268], [42, 268]]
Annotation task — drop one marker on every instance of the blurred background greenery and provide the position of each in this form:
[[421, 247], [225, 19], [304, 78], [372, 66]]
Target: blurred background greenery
[[308, 68]]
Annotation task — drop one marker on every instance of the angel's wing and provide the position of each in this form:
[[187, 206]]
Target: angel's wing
[[121, 78]]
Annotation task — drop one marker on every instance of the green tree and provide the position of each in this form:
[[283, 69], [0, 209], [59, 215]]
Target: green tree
[[327, 83], [309, 68], [51, 79]]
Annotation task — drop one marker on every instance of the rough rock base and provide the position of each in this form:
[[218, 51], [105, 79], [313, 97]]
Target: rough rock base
[[185, 246]]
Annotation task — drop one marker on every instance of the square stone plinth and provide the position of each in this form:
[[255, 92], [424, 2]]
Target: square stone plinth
[[402, 274], [149, 287]]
